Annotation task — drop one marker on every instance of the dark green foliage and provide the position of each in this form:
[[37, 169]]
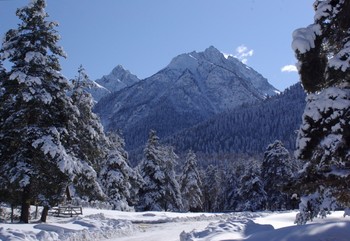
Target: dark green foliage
[[276, 172], [247, 129], [160, 189], [191, 184], [211, 189], [38, 153], [323, 140], [116, 176], [251, 193], [315, 66]]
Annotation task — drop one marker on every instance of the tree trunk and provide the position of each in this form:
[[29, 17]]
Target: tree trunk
[[25, 205], [68, 195], [12, 209], [44, 214]]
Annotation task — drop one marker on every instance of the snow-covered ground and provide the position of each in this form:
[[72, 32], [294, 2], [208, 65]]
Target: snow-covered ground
[[110, 225]]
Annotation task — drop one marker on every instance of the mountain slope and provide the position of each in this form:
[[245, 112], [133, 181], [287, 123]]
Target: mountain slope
[[248, 129], [191, 89]]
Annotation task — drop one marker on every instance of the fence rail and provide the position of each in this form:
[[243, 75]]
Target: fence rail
[[66, 211]]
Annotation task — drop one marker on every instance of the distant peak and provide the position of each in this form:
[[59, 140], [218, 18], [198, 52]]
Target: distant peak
[[119, 67], [212, 50], [119, 70]]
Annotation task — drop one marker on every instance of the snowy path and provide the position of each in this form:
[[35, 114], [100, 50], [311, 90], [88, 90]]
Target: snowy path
[[164, 231], [159, 226]]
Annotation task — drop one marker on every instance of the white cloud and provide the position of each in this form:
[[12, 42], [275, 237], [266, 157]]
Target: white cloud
[[289, 68], [243, 53]]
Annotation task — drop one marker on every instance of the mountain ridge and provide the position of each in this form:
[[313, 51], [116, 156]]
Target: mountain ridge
[[190, 89]]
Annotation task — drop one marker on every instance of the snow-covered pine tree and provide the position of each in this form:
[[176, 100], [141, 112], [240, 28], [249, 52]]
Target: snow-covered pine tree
[[90, 142], [323, 142], [2, 78], [211, 189], [135, 178], [231, 184], [172, 199], [37, 116], [251, 193], [191, 184], [276, 172], [116, 175], [152, 190], [154, 169], [2, 72]]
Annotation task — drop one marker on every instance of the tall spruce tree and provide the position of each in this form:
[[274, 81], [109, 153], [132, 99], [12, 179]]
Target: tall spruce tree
[[2, 73], [90, 142], [2, 78], [276, 172], [251, 193], [191, 184], [159, 191], [231, 184], [323, 53], [37, 116], [211, 189], [152, 190], [172, 198], [116, 175]]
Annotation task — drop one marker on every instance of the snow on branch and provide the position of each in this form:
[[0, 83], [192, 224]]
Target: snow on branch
[[341, 60], [304, 38]]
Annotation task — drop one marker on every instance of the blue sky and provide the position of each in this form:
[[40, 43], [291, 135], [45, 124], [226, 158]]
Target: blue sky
[[144, 35]]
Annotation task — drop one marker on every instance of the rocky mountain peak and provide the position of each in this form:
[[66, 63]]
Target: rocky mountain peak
[[193, 87]]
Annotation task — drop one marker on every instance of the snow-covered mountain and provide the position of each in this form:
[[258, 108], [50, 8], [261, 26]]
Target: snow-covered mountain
[[192, 88], [118, 79]]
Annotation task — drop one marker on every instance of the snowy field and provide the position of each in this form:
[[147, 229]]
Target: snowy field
[[165, 226]]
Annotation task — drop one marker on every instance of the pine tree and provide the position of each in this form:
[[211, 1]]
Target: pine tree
[[323, 48], [37, 117], [2, 79], [90, 142], [211, 189], [156, 170], [2, 73], [116, 176], [251, 193], [191, 184], [276, 172], [231, 185], [323, 52], [173, 198]]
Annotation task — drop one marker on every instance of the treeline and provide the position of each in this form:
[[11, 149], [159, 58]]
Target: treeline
[[247, 184]]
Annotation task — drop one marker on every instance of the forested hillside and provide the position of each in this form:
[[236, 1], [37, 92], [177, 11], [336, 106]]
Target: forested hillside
[[247, 129]]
